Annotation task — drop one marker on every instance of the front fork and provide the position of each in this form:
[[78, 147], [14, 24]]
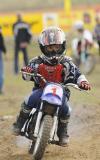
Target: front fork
[[39, 116], [55, 121], [54, 127]]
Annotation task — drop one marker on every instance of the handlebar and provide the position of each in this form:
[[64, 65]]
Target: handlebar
[[35, 75], [45, 81], [73, 85]]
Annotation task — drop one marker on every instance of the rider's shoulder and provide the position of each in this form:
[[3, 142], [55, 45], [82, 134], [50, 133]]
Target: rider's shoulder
[[33, 59], [36, 59], [66, 59]]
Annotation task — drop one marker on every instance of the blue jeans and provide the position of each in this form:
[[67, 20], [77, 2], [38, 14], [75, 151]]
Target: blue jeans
[[1, 72], [34, 99]]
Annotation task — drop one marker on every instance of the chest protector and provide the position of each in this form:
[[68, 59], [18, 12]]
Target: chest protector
[[51, 73]]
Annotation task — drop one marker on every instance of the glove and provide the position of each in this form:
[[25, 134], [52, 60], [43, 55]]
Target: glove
[[27, 69], [85, 85]]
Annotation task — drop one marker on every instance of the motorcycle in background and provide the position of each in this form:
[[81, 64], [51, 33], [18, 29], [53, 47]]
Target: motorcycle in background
[[82, 56]]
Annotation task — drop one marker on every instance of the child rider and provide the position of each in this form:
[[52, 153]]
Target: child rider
[[54, 66]]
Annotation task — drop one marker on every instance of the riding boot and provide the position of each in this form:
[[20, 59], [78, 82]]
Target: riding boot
[[22, 117], [62, 132]]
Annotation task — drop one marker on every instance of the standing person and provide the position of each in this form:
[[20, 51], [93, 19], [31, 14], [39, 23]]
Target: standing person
[[97, 31], [2, 50], [87, 21], [54, 66], [22, 36], [82, 42]]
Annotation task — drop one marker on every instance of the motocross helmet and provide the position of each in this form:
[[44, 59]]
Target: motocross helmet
[[79, 25], [52, 43]]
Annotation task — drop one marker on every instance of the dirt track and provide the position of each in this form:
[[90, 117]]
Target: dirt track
[[84, 144], [84, 127]]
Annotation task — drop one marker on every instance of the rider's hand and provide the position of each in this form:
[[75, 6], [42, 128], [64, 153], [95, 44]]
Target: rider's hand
[[27, 69], [85, 85]]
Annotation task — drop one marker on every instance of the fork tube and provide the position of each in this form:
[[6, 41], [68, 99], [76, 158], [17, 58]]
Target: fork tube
[[54, 125], [39, 116]]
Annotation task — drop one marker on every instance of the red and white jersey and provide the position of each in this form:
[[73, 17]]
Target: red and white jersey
[[64, 72]]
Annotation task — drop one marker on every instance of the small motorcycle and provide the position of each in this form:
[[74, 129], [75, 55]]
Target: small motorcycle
[[41, 126], [83, 58]]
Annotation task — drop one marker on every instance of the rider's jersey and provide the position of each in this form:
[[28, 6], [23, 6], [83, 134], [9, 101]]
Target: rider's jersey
[[51, 73], [88, 36], [64, 72]]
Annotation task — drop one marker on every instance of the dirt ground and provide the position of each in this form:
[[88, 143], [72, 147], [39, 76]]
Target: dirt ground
[[84, 143], [84, 127]]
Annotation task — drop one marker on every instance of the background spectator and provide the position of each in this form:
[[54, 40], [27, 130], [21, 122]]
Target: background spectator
[[81, 43], [22, 36], [2, 50], [87, 21]]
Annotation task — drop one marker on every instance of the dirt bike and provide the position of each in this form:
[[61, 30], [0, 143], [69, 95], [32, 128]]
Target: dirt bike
[[41, 126]]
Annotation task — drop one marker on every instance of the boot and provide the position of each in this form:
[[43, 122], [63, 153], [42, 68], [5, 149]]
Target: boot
[[23, 115], [63, 133]]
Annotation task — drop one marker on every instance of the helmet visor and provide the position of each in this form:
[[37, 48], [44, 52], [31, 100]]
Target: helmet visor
[[53, 50]]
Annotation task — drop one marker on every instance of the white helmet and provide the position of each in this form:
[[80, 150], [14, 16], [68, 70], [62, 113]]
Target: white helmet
[[52, 36], [79, 25]]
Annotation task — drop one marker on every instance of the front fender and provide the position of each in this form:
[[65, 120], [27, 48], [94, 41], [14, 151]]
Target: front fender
[[53, 94]]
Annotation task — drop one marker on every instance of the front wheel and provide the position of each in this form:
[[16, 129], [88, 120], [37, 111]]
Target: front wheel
[[43, 137]]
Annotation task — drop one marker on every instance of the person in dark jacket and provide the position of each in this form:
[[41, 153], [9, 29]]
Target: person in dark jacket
[[2, 50], [22, 37]]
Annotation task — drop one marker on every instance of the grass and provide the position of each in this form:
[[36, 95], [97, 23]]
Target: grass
[[84, 2], [25, 5], [15, 89]]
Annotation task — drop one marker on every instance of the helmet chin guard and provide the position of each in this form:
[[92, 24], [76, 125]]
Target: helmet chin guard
[[53, 60]]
